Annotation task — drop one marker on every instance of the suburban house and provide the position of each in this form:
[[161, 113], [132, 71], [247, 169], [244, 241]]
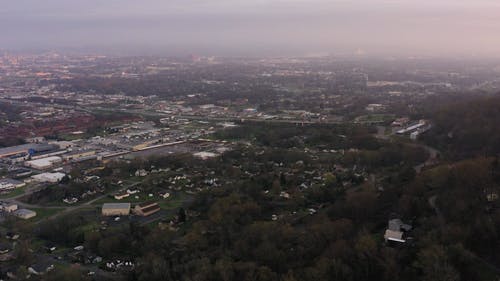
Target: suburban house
[[164, 194], [132, 191], [395, 236], [5, 248], [41, 267], [146, 209], [396, 231], [12, 236]]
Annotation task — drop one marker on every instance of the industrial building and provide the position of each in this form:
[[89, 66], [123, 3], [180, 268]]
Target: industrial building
[[15, 150], [49, 177], [116, 209], [24, 213], [8, 184], [24, 149], [146, 209], [43, 163], [76, 155], [63, 144], [8, 207], [20, 172]]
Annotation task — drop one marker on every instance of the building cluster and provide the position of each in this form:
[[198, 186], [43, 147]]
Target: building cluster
[[49, 161], [7, 208]]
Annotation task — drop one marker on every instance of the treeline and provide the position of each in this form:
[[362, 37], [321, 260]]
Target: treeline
[[9, 113], [466, 128], [309, 136]]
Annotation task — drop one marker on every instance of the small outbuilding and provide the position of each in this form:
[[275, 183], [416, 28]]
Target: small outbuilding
[[41, 268]]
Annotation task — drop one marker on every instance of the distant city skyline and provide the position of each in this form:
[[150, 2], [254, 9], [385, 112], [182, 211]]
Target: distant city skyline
[[262, 27]]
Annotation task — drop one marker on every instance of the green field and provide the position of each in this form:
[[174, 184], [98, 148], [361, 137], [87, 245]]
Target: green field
[[131, 199], [13, 193], [43, 213], [174, 201], [375, 118]]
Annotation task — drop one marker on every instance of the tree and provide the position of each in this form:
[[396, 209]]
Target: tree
[[153, 268], [23, 253], [181, 215], [435, 265], [73, 273]]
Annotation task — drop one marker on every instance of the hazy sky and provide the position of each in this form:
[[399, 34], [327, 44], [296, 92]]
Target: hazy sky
[[251, 27]]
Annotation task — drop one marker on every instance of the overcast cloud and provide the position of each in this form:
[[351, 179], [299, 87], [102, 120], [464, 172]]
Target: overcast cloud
[[457, 27]]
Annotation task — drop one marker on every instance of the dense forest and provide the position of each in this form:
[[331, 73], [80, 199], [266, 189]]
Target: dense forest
[[10, 113], [311, 136], [467, 127]]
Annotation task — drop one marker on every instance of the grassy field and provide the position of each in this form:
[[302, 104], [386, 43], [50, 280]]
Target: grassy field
[[375, 118], [131, 199], [42, 213], [13, 193], [174, 201]]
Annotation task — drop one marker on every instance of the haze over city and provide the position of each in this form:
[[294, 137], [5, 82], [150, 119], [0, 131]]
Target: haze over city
[[263, 27]]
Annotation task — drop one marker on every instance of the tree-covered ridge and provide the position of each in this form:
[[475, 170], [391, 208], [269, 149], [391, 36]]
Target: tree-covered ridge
[[455, 236], [311, 136], [467, 128]]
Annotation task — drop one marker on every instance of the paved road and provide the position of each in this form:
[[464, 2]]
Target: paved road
[[431, 160], [87, 204], [64, 209], [381, 133], [433, 153]]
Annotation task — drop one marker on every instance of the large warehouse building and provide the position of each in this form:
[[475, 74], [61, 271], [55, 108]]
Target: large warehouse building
[[116, 209], [24, 213], [49, 177], [44, 163], [24, 149]]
